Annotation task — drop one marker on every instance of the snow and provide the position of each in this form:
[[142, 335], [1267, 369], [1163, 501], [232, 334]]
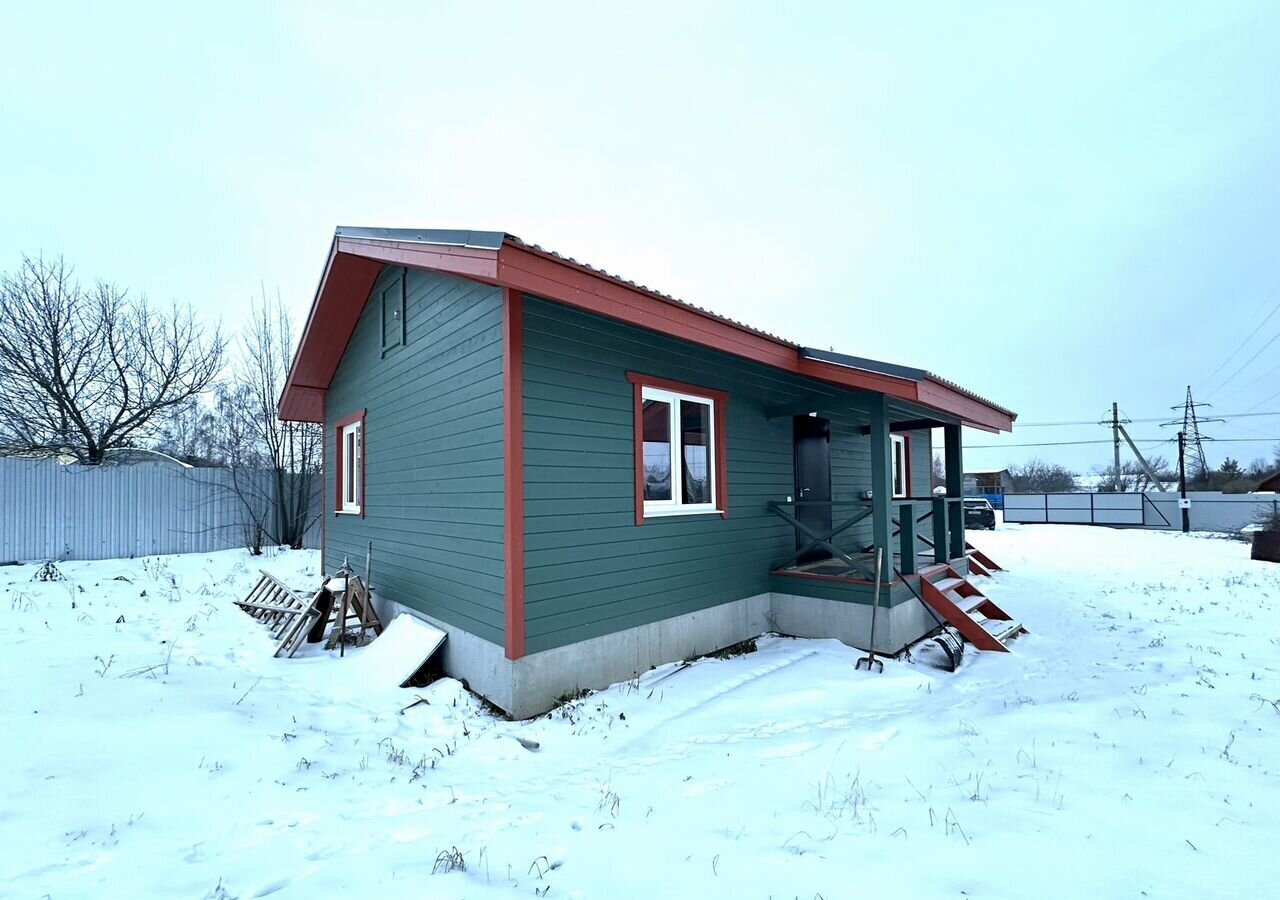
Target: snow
[[1125, 748], [397, 653]]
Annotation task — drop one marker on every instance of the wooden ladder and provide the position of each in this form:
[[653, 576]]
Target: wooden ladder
[[286, 614], [978, 619]]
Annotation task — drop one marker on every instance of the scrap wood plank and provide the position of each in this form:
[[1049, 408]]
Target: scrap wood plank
[[255, 603], [268, 598], [296, 634]]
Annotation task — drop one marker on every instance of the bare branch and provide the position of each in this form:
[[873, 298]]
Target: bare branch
[[84, 372]]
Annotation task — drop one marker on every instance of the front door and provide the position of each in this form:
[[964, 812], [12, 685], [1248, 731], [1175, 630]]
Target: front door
[[813, 480]]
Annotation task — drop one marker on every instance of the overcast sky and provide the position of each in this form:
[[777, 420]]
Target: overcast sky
[[1055, 208]]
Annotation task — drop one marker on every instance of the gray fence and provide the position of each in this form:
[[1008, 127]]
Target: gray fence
[[54, 511], [1210, 510]]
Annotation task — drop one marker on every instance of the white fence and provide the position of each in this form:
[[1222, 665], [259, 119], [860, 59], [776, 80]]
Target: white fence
[[1209, 510], [53, 511]]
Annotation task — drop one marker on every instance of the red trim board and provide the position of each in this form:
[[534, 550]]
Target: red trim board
[[513, 471]]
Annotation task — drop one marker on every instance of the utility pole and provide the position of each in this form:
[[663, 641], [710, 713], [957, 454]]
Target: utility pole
[[1142, 460], [1115, 440], [1182, 481]]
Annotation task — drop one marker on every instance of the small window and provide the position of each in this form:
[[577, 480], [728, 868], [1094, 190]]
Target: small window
[[393, 326], [679, 460], [349, 475], [901, 465]]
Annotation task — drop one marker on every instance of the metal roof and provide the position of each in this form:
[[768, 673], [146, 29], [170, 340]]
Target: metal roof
[[894, 370], [445, 237], [867, 365], [493, 240]]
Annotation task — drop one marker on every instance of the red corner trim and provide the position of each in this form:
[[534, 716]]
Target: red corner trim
[[324, 482], [358, 416], [513, 470], [906, 463], [638, 441], [721, 398]]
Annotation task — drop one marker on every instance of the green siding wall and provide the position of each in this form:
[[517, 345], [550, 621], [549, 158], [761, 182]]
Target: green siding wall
[[433, 451], [589, 569]]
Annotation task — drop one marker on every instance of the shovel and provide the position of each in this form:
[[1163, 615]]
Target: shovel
[[869, 662]]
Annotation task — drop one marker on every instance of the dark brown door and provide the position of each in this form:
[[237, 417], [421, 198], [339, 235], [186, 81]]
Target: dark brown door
[[813, 479]]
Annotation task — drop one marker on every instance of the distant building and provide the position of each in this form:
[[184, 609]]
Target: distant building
[[992, 484], [1270, 483]]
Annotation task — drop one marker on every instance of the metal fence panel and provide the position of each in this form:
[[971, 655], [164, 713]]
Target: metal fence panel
[[1210, 510], [1118, 509], [1031, 508], [54, 511]]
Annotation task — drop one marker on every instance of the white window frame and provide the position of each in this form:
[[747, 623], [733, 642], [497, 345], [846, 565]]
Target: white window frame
[[900, 465], [676, 505], [352, 469]]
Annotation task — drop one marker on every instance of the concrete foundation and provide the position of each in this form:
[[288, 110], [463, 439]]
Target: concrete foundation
[[850, 623], [532, 684]]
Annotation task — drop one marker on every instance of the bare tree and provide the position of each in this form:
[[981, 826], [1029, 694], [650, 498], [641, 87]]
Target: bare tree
[[937, 472], [192, 434], [1133, 477], [1037, 476], [275, 465], [87, 371]]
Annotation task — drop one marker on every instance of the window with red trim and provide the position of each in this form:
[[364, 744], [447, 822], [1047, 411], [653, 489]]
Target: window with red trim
[[348, 485], [679, 434]]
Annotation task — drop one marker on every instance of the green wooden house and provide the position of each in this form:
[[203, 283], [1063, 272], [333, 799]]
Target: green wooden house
[[579, 478]]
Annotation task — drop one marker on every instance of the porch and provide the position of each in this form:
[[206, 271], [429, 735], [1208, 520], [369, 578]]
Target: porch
[[838, 538], [930, 544]]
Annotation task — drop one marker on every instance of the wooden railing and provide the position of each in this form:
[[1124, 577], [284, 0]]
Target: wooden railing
[[823, 540], [947, 543]]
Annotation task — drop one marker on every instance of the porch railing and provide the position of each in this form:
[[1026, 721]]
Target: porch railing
[[824, 539], [947, 543]]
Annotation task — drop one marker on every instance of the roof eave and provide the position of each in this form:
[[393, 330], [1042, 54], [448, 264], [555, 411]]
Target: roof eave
[[357, 255]]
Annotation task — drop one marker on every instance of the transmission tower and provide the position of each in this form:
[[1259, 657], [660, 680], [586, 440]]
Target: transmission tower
[[1191, 422]]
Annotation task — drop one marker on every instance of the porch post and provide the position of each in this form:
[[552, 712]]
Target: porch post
[[881, 483], [907, 520], [940, 540], [955, 488]]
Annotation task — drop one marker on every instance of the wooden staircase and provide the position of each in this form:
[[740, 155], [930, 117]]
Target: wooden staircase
[[978, 619], [979, 562]]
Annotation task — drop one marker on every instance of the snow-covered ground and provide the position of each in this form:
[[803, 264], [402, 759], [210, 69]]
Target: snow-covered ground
[[1127, 748]]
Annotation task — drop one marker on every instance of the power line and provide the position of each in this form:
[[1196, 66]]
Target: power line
[[1275, 337], [1050, 444], [1269, 399], [1152, 442], [1240, 389], [1248, 337], [1242, 415]]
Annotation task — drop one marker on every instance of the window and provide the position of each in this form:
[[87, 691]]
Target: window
[[901, 465], [393, 325], [679, 457], [349, 469]]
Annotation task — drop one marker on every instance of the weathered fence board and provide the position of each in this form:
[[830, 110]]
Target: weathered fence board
[[54, 511]]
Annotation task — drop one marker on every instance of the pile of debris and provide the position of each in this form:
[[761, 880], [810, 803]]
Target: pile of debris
[[341, 608]]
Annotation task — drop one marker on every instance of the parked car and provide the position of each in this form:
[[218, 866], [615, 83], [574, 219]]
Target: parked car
[[978, 513]]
